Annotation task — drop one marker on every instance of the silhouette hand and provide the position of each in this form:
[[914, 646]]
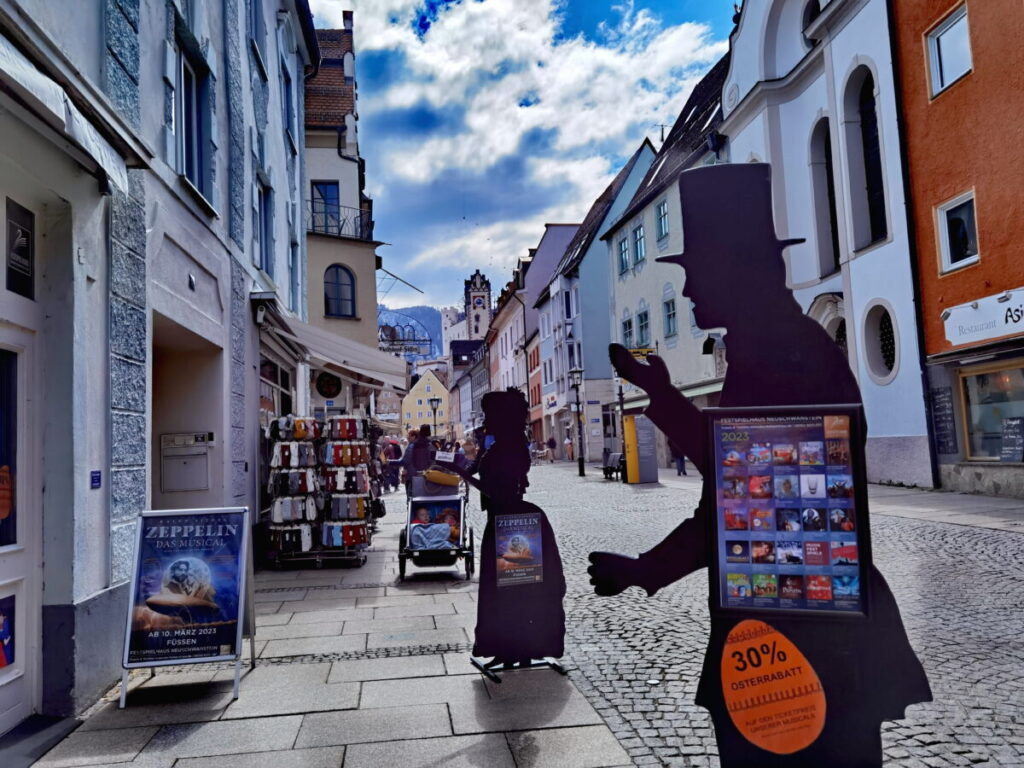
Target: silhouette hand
[[650, 375], [612, 573]]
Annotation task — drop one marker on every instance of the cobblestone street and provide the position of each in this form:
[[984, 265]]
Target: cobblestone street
[[639, 658]]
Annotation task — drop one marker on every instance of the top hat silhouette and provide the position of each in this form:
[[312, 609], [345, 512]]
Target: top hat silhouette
[[727, 210]]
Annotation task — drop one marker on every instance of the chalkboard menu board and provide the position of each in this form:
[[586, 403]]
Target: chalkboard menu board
[[792, 525], [942, 420], [1013, 440]]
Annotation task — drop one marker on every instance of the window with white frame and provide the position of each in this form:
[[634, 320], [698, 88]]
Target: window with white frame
[[958, 232], [623, 255], [288, 105], [192, 119], [257, 32], [567, 301], [669, 308], [643, 328], [293, 277], [265, 213], [575, 300], [662, 213], [627, 333], [949, 50], [639, 247]]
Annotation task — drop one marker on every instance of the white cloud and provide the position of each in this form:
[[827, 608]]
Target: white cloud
[[596, 98]]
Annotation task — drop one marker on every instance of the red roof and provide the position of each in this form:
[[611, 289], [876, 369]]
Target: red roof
[[329, 96]]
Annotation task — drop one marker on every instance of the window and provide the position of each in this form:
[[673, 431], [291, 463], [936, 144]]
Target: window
[[339, 292], [428, 388], [627, 333], [881, 343], [265, 213], [662, 213], [419, 414], [990, 394], [958, 233], [288, 104], [257, 32], [575, 300], [419, 401], [823, 180], [949, 50], [670, 317], [192, 120], [567, 300], [643, 327], [867, 189], [293, 277], [639, 248], [623, 255], [408, 414], [326, 207]]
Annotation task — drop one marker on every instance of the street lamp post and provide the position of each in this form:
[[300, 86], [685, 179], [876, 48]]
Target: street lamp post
[[434, 402], [576, 379]]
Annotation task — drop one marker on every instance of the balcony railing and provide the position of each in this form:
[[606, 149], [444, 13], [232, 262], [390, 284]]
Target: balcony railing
[[324, 218]]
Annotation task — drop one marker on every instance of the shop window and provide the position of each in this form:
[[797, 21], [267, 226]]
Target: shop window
[[339, 292], [623, 255], [990, 395], [639, 246], [958, 233], [671, 328], [662, 213], [867, 187], [8, 449], [949, 50]]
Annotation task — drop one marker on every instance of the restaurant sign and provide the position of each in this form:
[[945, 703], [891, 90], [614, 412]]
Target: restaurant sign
[[989, 318]]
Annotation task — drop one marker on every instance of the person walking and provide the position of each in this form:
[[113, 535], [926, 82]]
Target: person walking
[[552, 445], [678, 458], [568, 447]]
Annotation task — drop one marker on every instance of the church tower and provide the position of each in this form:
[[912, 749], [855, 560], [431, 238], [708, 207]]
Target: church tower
[[478, 306]]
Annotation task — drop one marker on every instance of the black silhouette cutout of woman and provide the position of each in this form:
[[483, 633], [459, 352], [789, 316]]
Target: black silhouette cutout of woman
[[736, 278], [518, 623]]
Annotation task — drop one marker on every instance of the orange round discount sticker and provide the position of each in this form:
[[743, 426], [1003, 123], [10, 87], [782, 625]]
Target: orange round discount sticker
[[772, 692]]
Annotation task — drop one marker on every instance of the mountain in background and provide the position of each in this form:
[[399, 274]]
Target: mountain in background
[[426, 321]]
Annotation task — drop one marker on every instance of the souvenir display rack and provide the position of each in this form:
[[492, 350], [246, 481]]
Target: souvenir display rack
[[325, 489]]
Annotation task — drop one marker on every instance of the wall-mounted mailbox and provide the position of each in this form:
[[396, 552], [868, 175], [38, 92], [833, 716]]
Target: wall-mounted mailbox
[[185, 461]]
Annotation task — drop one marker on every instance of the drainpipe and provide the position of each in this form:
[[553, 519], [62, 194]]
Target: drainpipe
[[912, 244]]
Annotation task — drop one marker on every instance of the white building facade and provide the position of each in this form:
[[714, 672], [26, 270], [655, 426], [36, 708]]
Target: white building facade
[[810, 90]]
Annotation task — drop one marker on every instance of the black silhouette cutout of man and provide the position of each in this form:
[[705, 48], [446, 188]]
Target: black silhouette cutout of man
[[518, 623], [736, 278]]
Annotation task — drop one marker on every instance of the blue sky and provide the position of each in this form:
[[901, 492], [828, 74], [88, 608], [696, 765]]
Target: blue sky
[[482, 119]]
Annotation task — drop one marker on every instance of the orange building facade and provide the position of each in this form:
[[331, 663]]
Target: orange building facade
[[960, 66]]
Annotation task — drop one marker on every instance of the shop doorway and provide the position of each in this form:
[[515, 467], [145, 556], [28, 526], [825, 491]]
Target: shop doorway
[[20, 517], [188, 443]]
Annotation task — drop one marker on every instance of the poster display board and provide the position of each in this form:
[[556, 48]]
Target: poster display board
[[1012, 445], [187, 589], [641, 450], [519, 549], [791, 530]]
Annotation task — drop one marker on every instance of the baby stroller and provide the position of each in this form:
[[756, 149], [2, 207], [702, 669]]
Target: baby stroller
[[436, 531]]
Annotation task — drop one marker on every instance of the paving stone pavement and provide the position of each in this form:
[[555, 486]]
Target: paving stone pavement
[[638, 659], [356, 669]]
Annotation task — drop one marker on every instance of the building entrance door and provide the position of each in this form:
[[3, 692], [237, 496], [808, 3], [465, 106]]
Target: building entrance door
[[20, 512]]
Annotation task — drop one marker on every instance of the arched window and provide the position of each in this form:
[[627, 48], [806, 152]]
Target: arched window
[[867, 189], [823, 180], [339, 292]]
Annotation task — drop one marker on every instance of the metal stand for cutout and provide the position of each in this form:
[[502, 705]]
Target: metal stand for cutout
[[490, 668]]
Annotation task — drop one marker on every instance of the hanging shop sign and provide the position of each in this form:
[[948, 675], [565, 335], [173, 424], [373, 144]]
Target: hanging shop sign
[[21, 250], [188, 586], [989, 318]]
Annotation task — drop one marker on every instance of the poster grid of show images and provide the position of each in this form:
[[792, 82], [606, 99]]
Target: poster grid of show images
[[788, 522]]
